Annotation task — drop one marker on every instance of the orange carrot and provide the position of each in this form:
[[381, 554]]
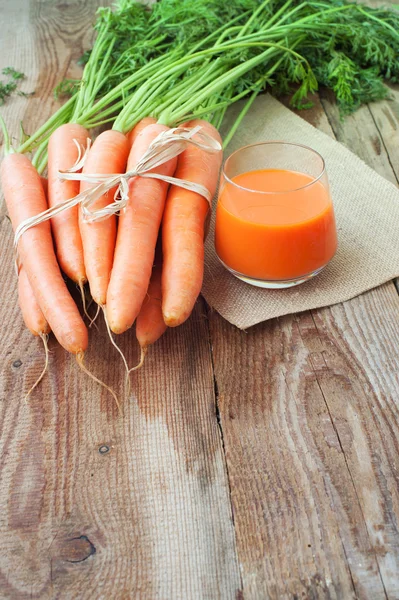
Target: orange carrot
[[108, 155], [34, 320], [183, 230], [131, 136], [150, 324], [137, 237], [31, 311], [25, 198], [62, 155]]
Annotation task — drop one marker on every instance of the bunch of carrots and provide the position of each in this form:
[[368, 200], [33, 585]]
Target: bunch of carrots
[[117, 260], [185, 64]]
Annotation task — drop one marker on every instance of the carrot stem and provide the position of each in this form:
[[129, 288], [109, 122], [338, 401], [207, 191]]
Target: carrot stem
[[58, 118], [7, 146], [240, 117], [254, 17]]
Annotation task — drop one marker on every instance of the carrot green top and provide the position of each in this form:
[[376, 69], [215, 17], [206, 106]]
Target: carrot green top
[[183, 59]]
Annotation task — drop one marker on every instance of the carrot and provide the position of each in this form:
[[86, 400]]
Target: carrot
[[183, 230], [150, 325], [62, 155], [137, 237], [131, 136], [34, 319], [31, 311], [25, 198], [108, 155]]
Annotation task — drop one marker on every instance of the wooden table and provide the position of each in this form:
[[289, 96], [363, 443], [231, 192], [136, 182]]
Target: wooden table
[[257, 464]]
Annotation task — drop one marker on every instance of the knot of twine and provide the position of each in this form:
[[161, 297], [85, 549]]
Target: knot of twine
[[167, 145]]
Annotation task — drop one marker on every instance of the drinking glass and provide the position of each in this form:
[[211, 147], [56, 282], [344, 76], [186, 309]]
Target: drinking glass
[[275, 223]]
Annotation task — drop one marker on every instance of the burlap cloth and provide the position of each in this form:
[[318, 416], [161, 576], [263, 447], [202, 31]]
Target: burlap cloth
[[367, 213]]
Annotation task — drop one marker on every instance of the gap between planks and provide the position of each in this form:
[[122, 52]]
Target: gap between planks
[[221, 433], [324, 121], [329, 110], [351, 478]]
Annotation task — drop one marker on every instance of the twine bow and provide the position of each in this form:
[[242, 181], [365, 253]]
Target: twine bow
[[167, 145]]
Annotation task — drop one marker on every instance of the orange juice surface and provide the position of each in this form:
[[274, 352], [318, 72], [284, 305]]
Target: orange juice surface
[[275, 236]]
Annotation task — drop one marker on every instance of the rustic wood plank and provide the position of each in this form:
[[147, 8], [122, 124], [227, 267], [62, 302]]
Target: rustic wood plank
[[309, 413], [314, 115], [374, 139], [136, 506], [359, 133], [43, 39], [96, 504], [385, 115]]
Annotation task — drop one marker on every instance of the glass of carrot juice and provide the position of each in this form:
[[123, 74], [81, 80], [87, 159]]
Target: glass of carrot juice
[[275, 224]]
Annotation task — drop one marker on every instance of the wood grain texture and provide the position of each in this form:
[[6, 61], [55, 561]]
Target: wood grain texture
[[309, 413], [386, 119], [134, 506], [359, 133], [95, 504]]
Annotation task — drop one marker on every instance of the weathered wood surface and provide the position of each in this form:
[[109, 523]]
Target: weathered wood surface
[[94, 505], [259, 464]]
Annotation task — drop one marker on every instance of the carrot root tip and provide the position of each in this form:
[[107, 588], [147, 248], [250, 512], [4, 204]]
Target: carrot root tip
[[115, 345], [80, 360], [144, 350], [81, 284], [94, 319], [44, 338], [172, 320]]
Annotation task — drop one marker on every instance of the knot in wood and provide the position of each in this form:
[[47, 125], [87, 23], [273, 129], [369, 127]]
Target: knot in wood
[[77, 549]]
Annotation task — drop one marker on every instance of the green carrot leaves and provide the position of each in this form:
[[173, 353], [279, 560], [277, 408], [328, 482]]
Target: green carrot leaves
[[179, 59], [10, 85]]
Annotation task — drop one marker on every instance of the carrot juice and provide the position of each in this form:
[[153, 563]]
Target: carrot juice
[[275, 225]]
